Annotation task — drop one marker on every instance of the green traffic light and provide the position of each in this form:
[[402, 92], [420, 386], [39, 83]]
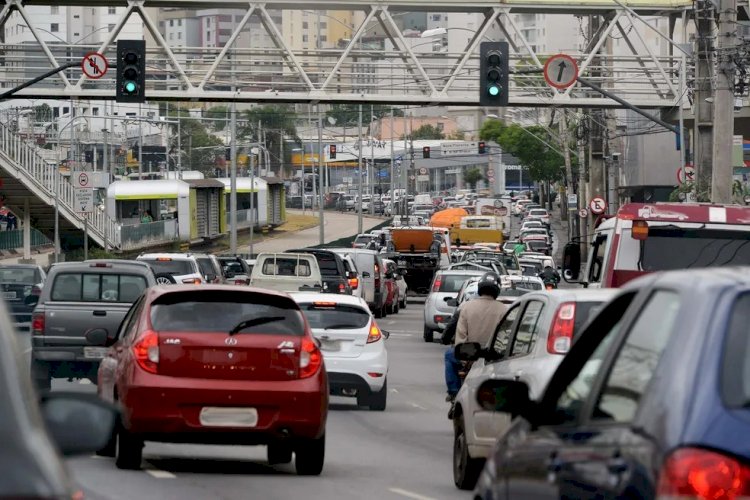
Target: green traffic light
[[130, 87], [493, 90]]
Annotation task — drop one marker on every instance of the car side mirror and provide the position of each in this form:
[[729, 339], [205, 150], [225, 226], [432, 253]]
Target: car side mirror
[[79, 423], [469, 351], [210, 277], [452, 302], [571, 262], [365, 274], [506, 396], [99, 337], [385, 333], [31, 300]]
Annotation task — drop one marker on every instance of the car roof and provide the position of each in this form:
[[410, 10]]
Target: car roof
[[169, 255], [159, 290], [351, 300], [88, 264], [21, 266], [452, 272], [718, 277], [576, 294]]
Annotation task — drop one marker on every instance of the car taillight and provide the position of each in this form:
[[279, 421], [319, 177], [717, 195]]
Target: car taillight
[[561, 333], [37, 324], [375, 334], [146, 351], [701, 474], [310, 358], [192, 281], [342, 288], [354, 283], [436, 284]]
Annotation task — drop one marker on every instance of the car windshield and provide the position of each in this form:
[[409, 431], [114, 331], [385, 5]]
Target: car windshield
[[171, 266], [220, 311], [27, 275], [93, 287], [323, 316], [363, 239], [233, 267], [451, 283]]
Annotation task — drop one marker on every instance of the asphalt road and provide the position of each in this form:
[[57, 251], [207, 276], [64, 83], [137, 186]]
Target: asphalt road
[[404, 452]]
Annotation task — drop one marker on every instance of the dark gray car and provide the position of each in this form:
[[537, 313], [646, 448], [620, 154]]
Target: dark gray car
[[80, 296], [17, 282]]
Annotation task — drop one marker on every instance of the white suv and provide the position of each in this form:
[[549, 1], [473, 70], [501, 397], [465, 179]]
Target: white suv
[[353, 346], [174, 268]]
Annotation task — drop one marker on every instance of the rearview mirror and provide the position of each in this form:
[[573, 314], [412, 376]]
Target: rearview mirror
[[506, 396], [385, 333], [571, 262], [78, 422], [469, 351]]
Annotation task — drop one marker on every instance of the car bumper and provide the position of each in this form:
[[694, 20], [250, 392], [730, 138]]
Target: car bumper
[[352, 373], [161, 408]]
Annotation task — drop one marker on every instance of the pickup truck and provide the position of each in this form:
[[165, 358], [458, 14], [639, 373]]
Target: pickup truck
[[78, 297], [332, 270], [287, 272]]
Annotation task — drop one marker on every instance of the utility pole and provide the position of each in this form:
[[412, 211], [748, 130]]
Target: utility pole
[[572, 226], [233, 184], [359, 181], [179, 144], [721, 178], [371, 176], [252, 201], [140, 142], [393, 171], [704, 59], [320, 171]]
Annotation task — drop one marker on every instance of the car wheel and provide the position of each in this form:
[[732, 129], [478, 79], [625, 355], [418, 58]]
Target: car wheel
[[466, 470], [279, 453], [129, 450], [378, 313], [165, 279], [396, 307], [403, 303], [40, 374], [310, 456], [377, 400], [427, 334]]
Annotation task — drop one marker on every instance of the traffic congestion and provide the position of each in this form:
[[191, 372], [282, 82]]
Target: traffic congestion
[[464, 349]]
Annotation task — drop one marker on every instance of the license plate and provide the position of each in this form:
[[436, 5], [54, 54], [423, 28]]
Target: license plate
[[330, 345], [94, 352], [10, 295], [211, 416], [402, 263]]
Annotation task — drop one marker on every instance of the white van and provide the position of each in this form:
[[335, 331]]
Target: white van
[[371, 277], [287, 272]]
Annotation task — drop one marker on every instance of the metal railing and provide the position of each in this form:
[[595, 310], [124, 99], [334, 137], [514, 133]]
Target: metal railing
[[10, 240], [134, 236]]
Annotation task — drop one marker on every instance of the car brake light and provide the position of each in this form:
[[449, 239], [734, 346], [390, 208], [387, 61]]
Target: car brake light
[[310, 358], [436, 284], [163, 259], [146, 351], [561, 333], [100, 264], [324, 304], [342, 288], [192, 281], [375, 334], [37, 324], [702, 474], [354, 283]]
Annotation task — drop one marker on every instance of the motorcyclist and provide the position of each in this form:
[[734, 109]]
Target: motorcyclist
[[519, 248], [550, 275], [476, 323]]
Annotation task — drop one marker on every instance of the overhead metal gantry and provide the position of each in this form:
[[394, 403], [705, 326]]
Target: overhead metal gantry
[[393, 68]]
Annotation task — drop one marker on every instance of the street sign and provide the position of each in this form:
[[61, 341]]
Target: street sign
[[572, 202], [84, 200], [597, 205], [423, 178], [94, 65], [411, 177], [560, 71], [81, 179], [583, 213], [686, 174], [422, 170]]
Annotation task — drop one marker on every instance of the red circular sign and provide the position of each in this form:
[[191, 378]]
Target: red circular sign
[[560, 71], [94, 65], [597, 205]]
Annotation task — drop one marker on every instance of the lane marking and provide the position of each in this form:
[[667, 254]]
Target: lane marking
[[401, 334], [84, 381], [409, 494], [394, 390], [160, 474], [415, 405]]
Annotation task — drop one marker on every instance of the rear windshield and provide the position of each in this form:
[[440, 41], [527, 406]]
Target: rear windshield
[[173, 267], [335, 317], [735, 376], [537, 244], [584, 312], [19, 275], [93, 287], [221, 311], [286, 266], [328, 265], [537, 211], [453, 282], [232, 266]]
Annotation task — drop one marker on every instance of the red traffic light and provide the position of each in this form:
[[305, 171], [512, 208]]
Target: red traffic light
[[426, 152]]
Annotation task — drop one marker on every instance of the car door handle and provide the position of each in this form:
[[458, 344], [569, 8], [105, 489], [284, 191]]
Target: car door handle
[[617, 465], [518, 374], [100, 313]]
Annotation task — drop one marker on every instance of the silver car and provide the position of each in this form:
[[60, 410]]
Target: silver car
[[437, 310], [528, 345]]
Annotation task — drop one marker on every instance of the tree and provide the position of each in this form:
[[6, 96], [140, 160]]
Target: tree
[[200, 149], [427, 131], [277, 121], [458, 135], [347, 115], [220, 114], [472, 176], [42, 113]]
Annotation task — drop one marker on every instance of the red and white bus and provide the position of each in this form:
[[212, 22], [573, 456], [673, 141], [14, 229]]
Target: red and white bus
[[648, 237]]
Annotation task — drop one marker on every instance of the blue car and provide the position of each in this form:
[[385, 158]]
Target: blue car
[[652, 401]]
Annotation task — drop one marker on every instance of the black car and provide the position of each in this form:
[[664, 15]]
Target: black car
[[33, 440], [235, 269], [332, 270], [17, 282], [652, 401]]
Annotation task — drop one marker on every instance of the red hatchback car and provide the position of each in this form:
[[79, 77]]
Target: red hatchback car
[[216, 365]]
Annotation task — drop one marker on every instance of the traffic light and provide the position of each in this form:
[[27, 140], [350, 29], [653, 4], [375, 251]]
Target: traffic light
[[493, 74], [332, 151], [426, 152], [482, 148], [131, 71]]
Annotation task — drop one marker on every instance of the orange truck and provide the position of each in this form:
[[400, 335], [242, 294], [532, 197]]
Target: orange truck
[[419, 252]]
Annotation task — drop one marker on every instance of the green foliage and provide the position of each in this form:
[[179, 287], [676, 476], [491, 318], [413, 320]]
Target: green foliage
[[427, 131], [458, 135], [94, 253], [42, 113], [219, 113], [278, 121], [194, 135], [472, 176], [702, 191], [347, 115]]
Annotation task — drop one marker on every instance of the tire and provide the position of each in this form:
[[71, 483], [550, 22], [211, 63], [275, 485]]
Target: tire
[[403, 303], [279, 453], [378, 313], [41, 376], [310, 456], [466, 470], [396, 307], [428, 335], [377, 400], [129, 451], [165, 279]]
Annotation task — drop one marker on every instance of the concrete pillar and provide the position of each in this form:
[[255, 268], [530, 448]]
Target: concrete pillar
[[26, 229]]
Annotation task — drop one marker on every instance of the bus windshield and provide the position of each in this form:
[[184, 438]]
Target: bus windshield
[[673, 247]]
